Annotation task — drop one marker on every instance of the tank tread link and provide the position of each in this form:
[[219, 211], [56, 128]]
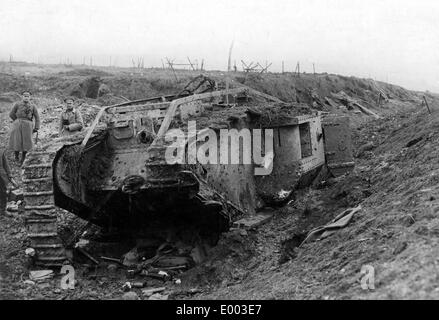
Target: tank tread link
[[40, 209]]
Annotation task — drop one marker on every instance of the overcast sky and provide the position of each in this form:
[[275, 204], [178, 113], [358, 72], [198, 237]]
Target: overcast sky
[[389, 40]]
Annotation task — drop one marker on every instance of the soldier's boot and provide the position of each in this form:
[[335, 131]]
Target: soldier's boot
[[17, 156]]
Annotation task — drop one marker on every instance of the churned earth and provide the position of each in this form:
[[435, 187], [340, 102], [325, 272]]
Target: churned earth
[[395, 181]]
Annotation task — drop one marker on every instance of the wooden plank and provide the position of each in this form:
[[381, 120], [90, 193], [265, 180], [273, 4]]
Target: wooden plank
[[143, 107], [367, 111]]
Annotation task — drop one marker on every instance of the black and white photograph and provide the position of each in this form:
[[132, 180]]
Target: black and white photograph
[[206, 150]]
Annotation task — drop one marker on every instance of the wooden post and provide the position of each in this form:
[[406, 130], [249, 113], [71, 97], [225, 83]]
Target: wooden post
[[191, 64], [229, 61], [426, 103], [283, 67], [314, 68], [172, 68]]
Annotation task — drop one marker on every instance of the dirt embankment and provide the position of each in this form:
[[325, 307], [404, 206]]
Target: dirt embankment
[[396, 232], [136, 84]]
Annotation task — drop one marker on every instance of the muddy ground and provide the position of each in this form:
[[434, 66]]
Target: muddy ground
[[396, 182]]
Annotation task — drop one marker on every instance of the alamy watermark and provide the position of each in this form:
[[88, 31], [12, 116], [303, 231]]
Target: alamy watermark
[[68, 278], [244, 146], [368, 279]]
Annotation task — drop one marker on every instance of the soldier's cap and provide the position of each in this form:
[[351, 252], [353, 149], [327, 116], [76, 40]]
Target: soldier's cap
[[26, 91], [67, 99]]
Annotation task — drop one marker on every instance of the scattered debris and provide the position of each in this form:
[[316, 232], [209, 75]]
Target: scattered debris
[[150, 291], [195, 290], [400, 248], [131, 258], [367, 111], [283, 194], [16, 195], [127, 286], [138, 284], [156, 275], [39, 275], [413, 142], [163, 273], [112, 268], [365, 147], [12, 206], [82, 243], [85, 253], [158, 296], [131, 273], [30, 252], [111, 260], [174, 262], [130, 296], [338, 222], [253, 222]]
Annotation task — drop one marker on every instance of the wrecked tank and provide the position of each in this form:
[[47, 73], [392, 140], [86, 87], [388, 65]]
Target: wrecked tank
[[117, 174]]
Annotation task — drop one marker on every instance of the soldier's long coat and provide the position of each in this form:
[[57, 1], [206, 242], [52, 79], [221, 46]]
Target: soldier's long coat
[[73, 120], [24, 114]]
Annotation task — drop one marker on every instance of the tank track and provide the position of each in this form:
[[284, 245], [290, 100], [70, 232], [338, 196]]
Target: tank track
[[41, 212], [40, 209]]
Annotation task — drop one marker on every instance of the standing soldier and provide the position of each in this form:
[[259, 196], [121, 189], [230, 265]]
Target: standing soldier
[[23, 113], [6, 182], [71, 120]]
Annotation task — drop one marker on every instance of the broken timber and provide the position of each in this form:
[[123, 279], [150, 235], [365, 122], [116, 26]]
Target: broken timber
[[366, 110]]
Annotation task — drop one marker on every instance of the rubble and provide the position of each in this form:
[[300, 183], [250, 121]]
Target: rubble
[[138, 284], [127, 286], [253, 222], [30, 252], [400, 248], [16, 195], [130, 296], [131, 258], [158, 296], [150, 291], [112, 268], [12, 206], [39, 275]]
